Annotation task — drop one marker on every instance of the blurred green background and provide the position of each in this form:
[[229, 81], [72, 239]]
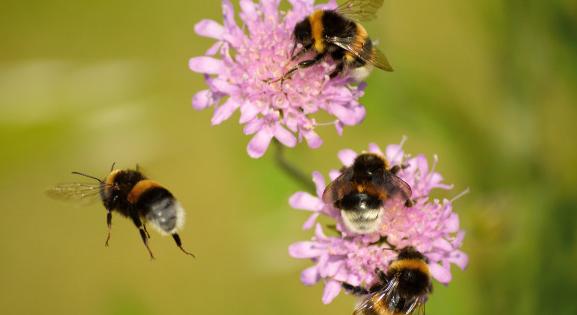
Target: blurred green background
[[490, 86]]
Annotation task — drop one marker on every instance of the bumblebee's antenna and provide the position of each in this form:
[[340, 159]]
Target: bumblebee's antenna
[[112, 167], [85, 175]]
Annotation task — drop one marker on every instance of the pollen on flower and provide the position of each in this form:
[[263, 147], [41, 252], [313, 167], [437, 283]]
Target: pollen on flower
[[430, 226], [241, 67]]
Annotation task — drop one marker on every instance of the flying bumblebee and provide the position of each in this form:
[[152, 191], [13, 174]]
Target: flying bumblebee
[[404, 289], [362, 189], [129, 193], [337, 33]]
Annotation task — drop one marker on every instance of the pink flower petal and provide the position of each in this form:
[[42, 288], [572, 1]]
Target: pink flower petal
[[347, 156], [440, 273], [305, 250], [202, 99], [313, 139], [209, 28], [224, 112], [284, 136], [310, 276], [394, 153], [345, 115], [206, 65], [223, 86], [460, 259], [259, 143], [228, 14], [332, 289], [339, 127], [333, 174], [248, 112], [213, 49], [305, 201], [248, 8], [319, 181], [443, 244], [253, 126], [374, 148], [452, 223], [330, 267], [310, 222], [319, 232]]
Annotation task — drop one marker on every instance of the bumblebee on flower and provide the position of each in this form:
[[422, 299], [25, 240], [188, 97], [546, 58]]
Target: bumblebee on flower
[[352, 258], [240, 66]]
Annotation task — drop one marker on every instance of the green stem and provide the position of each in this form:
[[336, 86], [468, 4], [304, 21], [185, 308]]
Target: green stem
[[292, 171]]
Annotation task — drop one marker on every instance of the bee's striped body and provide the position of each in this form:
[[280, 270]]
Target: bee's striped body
[[336, 33], [131, 194]]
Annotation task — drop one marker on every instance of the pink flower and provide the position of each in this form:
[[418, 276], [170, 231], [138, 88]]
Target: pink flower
[[238, 65], [430, 226]]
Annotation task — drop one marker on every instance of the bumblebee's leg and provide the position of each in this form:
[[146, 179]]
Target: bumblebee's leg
[[109, 224], [300, 53], [141, 230], [302, 65], [179, 244], [339, 68], [395, 169], [146, 231], [382, 276], [355, 290]]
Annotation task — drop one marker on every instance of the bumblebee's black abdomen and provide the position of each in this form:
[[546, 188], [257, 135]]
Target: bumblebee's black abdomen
[[337, 25], [359, 201], [159, 207]]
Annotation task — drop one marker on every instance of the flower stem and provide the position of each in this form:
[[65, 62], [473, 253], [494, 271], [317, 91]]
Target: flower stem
[[292, 171]]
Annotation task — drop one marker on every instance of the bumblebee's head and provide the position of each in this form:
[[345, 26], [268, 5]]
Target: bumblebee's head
[[117, 185], [368, 165], [303, 33]]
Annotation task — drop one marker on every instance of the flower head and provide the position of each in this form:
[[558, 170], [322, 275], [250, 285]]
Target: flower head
[[238, 69], [430, 226]]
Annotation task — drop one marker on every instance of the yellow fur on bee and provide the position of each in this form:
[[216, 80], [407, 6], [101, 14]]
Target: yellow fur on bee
[[316, 20]]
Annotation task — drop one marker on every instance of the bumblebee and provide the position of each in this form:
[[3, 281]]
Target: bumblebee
[[338, 34], [129, 193], [403, 289], [361, 190]]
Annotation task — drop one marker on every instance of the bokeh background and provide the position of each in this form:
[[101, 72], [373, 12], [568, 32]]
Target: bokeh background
[[490, 86]]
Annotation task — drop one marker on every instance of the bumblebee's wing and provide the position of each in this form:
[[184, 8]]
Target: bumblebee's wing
[[401, 305], [360, 10], [394, 186], [376, 58], [375, 303], [74, 192], [415, 305], [420, 308], [339, 187]]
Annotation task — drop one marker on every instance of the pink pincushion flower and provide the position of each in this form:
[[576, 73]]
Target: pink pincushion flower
[[238, 65], [430, 226]]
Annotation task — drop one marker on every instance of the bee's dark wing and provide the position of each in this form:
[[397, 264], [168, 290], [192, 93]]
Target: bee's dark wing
[[396, 187], [360, 10], [339, 187], [376, 58], [74, 192], [415, 305], [420, 308], [375, 303]]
